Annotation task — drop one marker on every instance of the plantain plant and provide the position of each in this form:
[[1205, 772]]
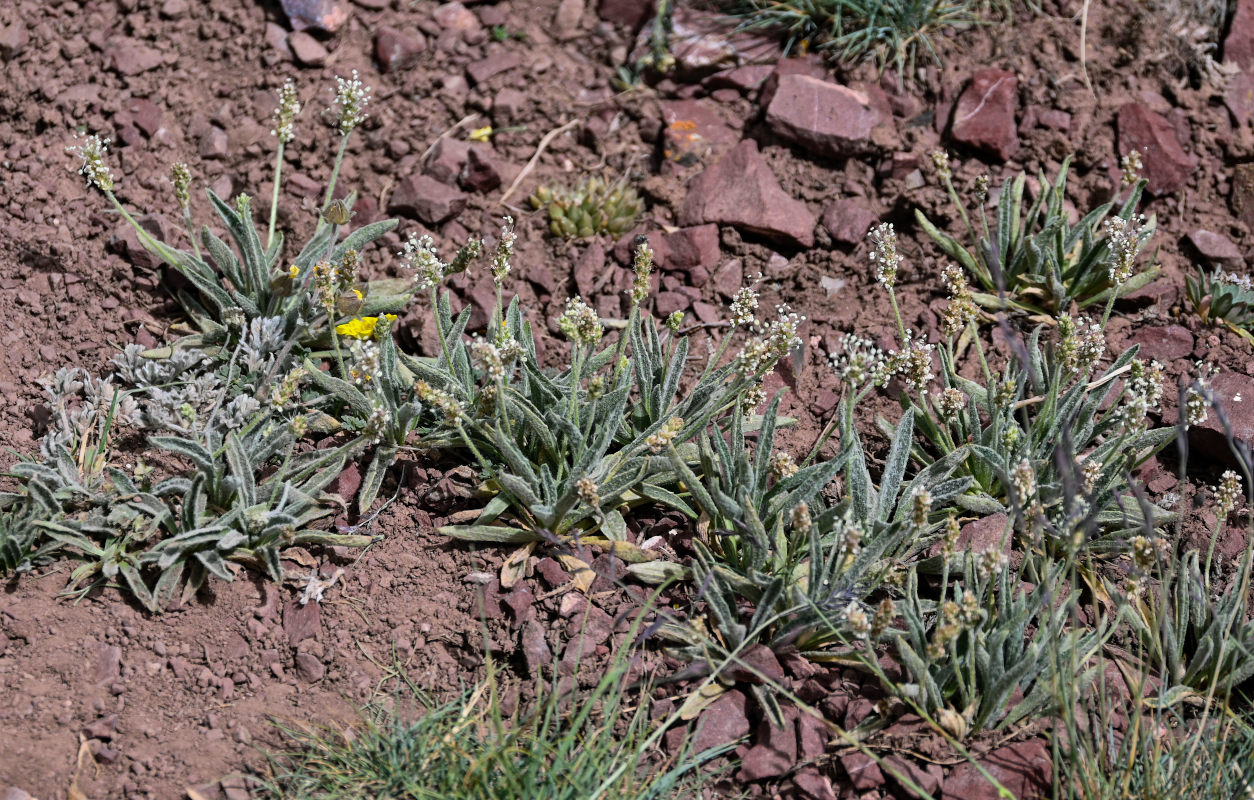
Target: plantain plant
[[1223, 298], [1036, 262], [561, 449], [772, 543], [968, 653]]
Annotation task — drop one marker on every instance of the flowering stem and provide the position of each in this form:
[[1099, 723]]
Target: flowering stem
[[718, 354], [335, 171], [1210, 552], [167, 254], [901, 328], [191, 230], [576, 367], [1110, 304], [499, 311], [335, 343], [633, 319], [274, 198], [962, 211], [439, 329], [979, 349]]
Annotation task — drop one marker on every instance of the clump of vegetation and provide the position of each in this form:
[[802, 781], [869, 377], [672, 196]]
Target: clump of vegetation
[[596, 743], [294, 371], [590, 208], [1223, 298], [1163, 755], [888, 31], [1038, 262], [227, 407]]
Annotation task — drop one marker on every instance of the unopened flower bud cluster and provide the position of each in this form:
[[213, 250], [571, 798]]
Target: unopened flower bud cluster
[[884, 255], [659, 441]]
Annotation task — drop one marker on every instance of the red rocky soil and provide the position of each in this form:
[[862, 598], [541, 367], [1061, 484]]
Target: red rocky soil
[[750, 166]]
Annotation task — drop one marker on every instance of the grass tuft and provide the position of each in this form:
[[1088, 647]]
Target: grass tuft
[[582, 746], [889, 31]]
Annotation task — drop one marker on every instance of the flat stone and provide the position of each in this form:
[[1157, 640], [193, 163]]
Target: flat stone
[[102, 729], [1024, 768], [1233, 393], [309, 668], [1163, 345], [814, 784], [213, 143], [864, 774], [276, 38], [1238, 50], [306, 49], [667, 303], [426, 199], [327, 16], [535, 647], [143, 113], [726, 721], [689, 248], [482, 172], [456, 17], [740, 190], [397, 50], [824, 118], [847, 221], [1217, 248], [984, 116], [507, 106], [629, 13], [927, 778], [173, 9], [743, 79], [108, 663], [759, 666], [1167, 167], [447, 160], [774, 753], [1242, 195], [703, 43], [1055, 120], [347, 483], [497, 63], [982, 534], [1239, 43], [132, 58], [694, 132], [567, 16], [13, 40], [301, 622]]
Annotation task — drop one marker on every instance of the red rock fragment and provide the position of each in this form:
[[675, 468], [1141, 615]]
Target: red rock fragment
[[740, 190], [1167, 167], [984, 117]]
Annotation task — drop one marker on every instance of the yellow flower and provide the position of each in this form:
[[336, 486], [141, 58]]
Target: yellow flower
[[293, 271], [481, 134], [361, 327]]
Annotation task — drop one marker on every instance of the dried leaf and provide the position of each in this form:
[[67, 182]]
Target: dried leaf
[[580, 573], [700, 700], [516, 566]]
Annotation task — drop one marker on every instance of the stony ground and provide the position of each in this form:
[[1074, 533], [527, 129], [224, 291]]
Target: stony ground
[[750, 164]]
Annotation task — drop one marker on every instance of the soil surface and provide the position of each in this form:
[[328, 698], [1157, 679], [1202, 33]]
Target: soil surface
[[164, 703]]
